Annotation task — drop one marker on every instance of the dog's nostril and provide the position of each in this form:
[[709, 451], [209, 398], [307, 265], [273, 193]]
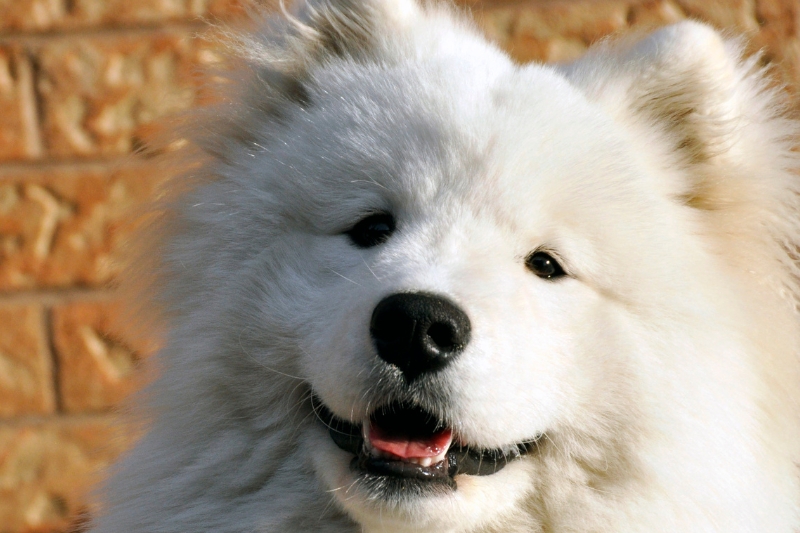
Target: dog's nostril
[[443, 335], [418, 332]]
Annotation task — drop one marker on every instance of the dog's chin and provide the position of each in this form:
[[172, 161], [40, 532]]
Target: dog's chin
[[402, 454]]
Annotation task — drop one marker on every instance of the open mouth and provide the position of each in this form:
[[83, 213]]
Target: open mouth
[[406, 442]]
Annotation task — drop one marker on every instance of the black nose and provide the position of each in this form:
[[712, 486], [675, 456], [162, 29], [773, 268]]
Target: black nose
[[418, 333]]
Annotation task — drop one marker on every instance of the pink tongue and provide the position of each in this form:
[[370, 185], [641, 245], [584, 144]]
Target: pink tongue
[[408, 448]]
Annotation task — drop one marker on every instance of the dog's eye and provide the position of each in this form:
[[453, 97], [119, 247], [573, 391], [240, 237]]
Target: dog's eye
[[372, 230], [543, 265]]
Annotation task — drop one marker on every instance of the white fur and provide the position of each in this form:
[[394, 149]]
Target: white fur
[[663, 370]]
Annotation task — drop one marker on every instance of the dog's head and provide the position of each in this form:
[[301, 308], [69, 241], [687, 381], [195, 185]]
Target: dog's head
[[459, 282]]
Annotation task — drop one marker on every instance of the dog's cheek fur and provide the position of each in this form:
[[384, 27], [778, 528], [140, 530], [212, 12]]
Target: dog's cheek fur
[[715, 142]]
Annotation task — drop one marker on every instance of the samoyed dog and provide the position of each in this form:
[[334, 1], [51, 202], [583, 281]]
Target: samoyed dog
[[417, 287]]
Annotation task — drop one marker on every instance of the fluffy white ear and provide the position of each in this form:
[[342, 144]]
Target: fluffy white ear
[[685, 81], [271, 63], [314, 30], [718, 129]]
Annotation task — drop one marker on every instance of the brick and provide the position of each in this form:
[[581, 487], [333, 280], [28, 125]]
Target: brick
[[780, 29], [552, 31], [99, 354], [97, 93], [781, 13], [19, 128], [47, 469], [26, 374], [50, 15], [561, 30], [67, 227], [654, 13], [737, 15]]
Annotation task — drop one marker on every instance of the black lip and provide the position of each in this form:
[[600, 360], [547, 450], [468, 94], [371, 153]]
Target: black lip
[[458, 460], [384, 467]]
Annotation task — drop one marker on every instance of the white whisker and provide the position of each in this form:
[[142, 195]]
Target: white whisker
[[345, 277]]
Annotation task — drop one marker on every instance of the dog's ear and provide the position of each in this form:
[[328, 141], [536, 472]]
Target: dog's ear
[[270, 63], [688, 92], [352, 28], [716, 126], [287, 44]]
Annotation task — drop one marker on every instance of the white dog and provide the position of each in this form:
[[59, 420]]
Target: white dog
[[418, 287]]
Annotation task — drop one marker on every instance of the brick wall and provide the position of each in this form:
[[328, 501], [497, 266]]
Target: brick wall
[[81, 83]]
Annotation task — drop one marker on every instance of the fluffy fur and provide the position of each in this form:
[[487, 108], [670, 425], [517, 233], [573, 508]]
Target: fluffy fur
[[663, 370]]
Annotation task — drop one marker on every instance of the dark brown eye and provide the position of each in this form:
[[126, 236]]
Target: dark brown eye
[[543, 265], [372, 230]]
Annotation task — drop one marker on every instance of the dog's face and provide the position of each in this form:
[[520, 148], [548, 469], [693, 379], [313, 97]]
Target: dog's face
[[417, 287], [455, 253], [448, 285]]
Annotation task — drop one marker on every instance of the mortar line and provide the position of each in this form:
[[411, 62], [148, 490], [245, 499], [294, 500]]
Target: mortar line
[[133, 30], [51, 297], [89, 164], [60, 418]]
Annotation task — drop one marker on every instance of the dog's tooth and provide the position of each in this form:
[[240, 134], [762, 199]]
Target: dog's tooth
[[426, 461]]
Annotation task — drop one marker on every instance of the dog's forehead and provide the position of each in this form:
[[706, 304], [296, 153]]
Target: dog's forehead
[[493, 135], [402, 131], [551, 151], [457, 99]]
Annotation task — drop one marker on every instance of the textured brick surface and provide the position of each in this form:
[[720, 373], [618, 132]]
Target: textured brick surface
[[48, 15], [96, 92], [562, 30], [738, 15], [98, 356], [68, 227], [46, 470], [554, 31], [26, 374], [19, 129], [654, 13], [780, 25], [559, 31]]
